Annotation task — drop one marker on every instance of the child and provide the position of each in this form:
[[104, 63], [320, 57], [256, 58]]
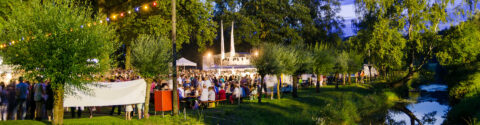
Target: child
[[128, 111], [253, 95], [211, 94]]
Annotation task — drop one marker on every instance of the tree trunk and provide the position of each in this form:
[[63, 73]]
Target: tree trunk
[[294, 90], [128, 55], [343, 78], [336, 80], [260, 88], [147, 97], [58, 105], [317, 86], [278, 85], [174, 49], [349, 78]]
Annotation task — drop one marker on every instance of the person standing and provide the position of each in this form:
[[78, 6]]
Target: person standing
[[49, 102], [22, 92], [4, 103], [39, 92]]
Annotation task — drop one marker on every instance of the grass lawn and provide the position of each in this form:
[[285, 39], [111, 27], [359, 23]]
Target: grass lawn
[[346, 105]]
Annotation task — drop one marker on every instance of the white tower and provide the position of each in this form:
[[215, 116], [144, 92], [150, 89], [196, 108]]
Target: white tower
[[232, 44], [221, 39]]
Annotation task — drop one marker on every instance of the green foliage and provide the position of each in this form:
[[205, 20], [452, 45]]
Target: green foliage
[[323, 59], [151, 56], [291, 60], [267, 61], [460, 44], [393, 32], [194, 23], [347, 105], [54, 45], [280, 21]]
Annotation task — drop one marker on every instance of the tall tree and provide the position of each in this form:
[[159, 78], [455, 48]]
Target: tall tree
[[195, 24], [397, 17], [57, 40], [151, 59], [323, 62], [259, 21], [267, 62]]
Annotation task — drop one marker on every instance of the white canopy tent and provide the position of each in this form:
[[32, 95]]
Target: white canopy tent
[[185, 62]]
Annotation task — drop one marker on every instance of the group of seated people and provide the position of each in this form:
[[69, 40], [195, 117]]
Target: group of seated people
[[203, 88]]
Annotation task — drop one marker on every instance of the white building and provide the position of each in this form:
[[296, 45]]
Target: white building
[[229, 63]]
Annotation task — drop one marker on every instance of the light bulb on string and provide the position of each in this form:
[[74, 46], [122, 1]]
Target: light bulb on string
[[121, 14], [129, 12], [114, 17], [108, 19], [101, 21], [155, 4], [145, 7], [137, 9], [81, 26], [88, 24], [23, 38], [94, 23]]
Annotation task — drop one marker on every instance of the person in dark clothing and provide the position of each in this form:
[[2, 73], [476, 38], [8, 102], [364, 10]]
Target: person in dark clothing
[[76, 109], [49, 102], [30, 102], [119, 109]]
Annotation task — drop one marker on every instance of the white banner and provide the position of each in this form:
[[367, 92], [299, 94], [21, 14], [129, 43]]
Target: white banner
[[108, 93]]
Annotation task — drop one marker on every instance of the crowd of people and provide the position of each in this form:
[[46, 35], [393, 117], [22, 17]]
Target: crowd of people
[[33, 99], [22, 99], [196, 88]]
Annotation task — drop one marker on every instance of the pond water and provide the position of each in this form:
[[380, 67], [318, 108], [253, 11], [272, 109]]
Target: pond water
[[430, 107]]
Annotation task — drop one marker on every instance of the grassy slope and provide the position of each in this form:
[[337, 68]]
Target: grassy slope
[[347, 105]]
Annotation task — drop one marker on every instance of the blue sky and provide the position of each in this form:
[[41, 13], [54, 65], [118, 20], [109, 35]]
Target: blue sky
[[348, 13]]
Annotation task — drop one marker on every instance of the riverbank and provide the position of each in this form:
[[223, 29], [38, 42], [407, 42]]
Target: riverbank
[[347, 105]]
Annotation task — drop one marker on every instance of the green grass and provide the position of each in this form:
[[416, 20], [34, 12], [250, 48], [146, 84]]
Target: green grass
[[346, 105]]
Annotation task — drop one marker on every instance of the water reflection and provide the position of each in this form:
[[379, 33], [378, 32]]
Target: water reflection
[[430, 107]]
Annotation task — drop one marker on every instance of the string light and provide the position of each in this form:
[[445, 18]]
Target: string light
[[145, 7], [114, 16]]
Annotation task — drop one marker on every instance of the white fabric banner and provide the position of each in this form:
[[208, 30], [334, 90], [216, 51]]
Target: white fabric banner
[[108, 93]]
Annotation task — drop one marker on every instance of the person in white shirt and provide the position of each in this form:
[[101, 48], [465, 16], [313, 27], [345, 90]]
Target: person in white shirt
[[236, 93], [211, 94], [204, 95]]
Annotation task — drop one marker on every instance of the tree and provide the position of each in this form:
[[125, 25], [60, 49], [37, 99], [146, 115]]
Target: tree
[[323, 62], [341, 66], [278, 21], [195, 24], [57, 40], [267, 62], [460, 43], [395, 18], [151, 59], [300, 62], [355, 63]]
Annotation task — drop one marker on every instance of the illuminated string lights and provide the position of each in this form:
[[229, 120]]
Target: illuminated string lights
[[107, 19]]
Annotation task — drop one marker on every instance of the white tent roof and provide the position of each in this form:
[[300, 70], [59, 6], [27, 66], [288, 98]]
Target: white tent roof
[[185, 62]]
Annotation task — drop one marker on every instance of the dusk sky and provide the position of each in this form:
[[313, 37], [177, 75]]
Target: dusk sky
[[348, 13]]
